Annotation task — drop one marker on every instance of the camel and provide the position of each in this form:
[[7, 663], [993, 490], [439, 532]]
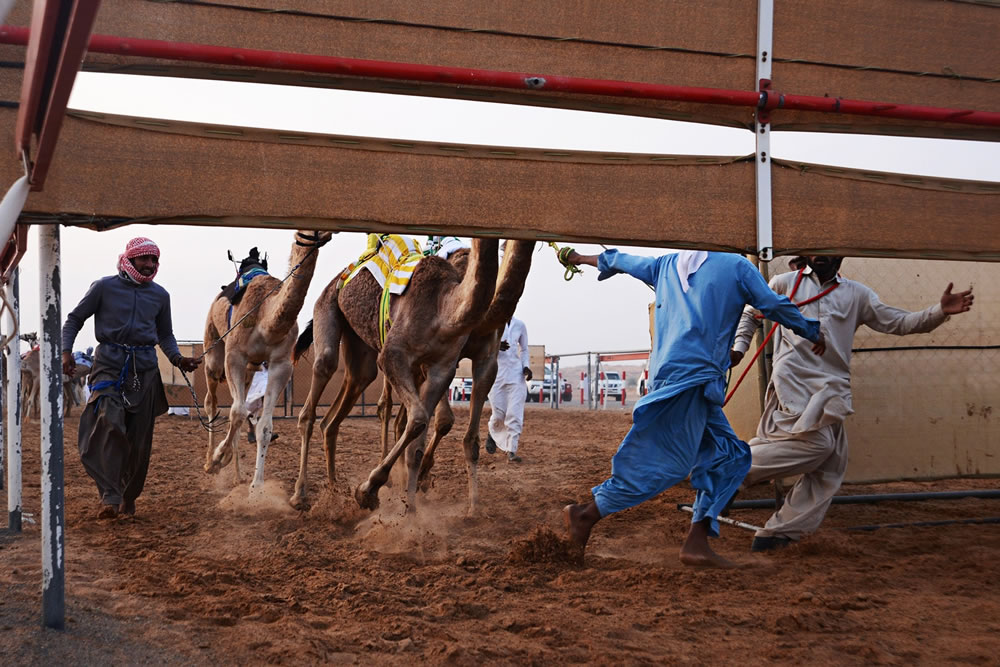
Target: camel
[[481, 347], [267, 333], [31, 382], [431, 323]]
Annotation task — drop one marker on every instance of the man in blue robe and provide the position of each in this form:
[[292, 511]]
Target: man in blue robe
[[678, 428]]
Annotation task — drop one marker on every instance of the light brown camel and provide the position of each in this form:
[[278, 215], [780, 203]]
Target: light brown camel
[[431, 322], [31, 382], [267, 334]]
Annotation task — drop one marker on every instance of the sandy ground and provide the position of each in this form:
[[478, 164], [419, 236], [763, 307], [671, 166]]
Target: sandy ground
[[207, 575]]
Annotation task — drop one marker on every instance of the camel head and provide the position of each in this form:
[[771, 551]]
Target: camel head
[[30, 338], [309, 238]]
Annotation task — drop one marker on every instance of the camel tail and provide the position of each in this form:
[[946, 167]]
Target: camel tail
[[304, 342]]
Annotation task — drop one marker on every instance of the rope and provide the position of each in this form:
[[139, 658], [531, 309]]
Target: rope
[[798, 279], [208, 424]]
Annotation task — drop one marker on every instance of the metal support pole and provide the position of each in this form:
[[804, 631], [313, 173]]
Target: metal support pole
[[53, 521], [765, 29], [558, 388], [14, 410], [590, 382]]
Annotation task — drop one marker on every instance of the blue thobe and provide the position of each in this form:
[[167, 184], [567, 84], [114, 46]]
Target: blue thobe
[[679, 429]]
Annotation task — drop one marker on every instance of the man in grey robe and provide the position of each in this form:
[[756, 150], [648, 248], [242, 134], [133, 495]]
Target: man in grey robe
[[131, 315], [808, 396]]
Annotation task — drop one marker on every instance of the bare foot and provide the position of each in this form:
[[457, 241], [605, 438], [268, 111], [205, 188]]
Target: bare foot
[[579, 522], [695, 551], [107, 512], [127, 507]]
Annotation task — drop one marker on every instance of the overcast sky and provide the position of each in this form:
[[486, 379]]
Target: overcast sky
[[577, 316]]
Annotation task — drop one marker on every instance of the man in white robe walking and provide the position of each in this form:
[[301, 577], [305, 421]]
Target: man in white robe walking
[[509, 391]]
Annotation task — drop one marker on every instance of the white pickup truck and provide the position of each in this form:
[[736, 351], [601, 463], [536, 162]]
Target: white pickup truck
[[536, 388], [612, 385], [461, 389]]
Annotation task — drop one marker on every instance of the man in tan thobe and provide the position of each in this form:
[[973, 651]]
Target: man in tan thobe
[[808, 397]]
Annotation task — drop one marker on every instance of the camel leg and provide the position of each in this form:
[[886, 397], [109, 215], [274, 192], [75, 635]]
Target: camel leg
[[484, 372], [278, 375], [398, 369], [360, 370], [236, 376], [385, 413], [215, 365], [324, 366], [444, 419]]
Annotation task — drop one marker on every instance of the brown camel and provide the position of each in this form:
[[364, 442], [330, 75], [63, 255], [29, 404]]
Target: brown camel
[[267, 334], [431, 323], [481, 348]]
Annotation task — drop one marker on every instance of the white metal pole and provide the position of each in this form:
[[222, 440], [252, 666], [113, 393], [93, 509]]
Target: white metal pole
[[53, 521], [13, 408], [765, 232]]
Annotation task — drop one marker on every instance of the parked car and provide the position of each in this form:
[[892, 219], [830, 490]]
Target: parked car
[[612, 385], [460, 385], [537, 389]]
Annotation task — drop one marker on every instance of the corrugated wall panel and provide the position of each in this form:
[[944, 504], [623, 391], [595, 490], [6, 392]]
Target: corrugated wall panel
[[853, 214]]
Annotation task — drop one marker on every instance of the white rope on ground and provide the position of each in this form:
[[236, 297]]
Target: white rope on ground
[[731, 522]]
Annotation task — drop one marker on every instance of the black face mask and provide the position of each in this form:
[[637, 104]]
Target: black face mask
[[826, 265]]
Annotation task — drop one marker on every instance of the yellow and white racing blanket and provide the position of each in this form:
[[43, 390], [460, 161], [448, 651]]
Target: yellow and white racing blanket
[[391, 259]]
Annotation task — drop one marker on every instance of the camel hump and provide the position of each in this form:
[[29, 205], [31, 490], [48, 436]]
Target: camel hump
[[304, 341]]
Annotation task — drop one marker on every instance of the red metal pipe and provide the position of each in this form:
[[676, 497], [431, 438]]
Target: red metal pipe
[[74, 48], [222, 55]]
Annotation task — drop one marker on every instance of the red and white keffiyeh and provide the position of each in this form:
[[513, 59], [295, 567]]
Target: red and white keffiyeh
[[138, 247]]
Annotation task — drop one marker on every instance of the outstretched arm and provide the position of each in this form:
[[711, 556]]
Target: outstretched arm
[[576, 259], [891, 320], [612, 261]]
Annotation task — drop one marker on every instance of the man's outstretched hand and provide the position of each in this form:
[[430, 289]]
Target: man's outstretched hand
[[960, 302]]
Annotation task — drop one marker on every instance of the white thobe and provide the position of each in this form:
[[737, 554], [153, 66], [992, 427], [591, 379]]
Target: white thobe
[[808, 397], [509, 391]]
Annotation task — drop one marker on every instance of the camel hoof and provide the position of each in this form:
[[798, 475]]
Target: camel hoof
[[212, 468], [425, 484], [299, 502], [366, 496]]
